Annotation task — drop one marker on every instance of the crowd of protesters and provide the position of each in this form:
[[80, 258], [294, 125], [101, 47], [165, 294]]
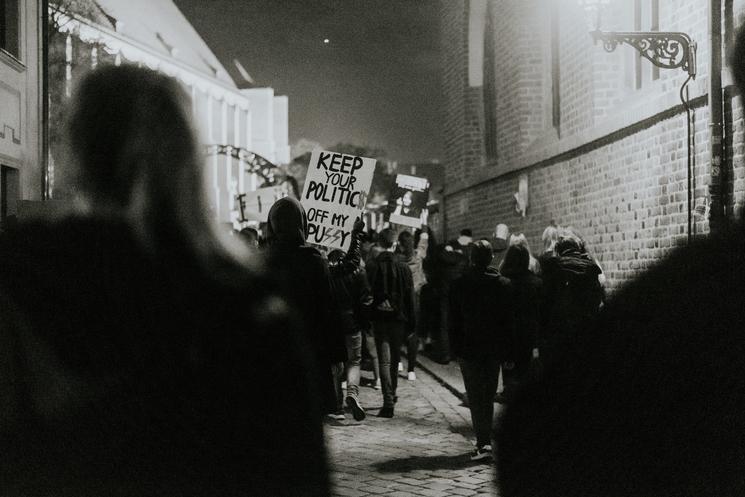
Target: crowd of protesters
[[143, 352]]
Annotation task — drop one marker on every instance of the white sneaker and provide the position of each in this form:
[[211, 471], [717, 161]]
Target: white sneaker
[[377, 384], [481, 453], [400, 367], [412, 376]]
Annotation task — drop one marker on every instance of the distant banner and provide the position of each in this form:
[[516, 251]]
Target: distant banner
[[335, 193], [409, 197], [256, 204]]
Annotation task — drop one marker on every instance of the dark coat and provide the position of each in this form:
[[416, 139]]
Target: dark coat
[[401, 284], [303, 275], [650, 399], [573, 295], [528, 293], [482, 324], [122, 374]]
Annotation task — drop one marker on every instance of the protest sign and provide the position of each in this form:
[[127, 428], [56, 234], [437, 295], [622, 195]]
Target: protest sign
[[256, 204], [335, 193], [409, 197]]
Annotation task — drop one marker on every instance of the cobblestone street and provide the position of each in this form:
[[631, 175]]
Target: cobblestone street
[[423, 451]]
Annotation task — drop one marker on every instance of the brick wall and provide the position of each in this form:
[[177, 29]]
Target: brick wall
[[618, 172]]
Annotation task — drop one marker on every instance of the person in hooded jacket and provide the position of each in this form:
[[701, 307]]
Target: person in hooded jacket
[[141, 353], [482, 329], [304, 276], [573, 293]]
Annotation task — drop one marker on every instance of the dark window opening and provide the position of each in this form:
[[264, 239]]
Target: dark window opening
[[9, 26], [555, 69], [490, 88]]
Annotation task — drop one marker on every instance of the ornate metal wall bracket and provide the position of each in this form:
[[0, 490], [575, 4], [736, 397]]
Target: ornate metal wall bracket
[[254, 162], [669, 50]]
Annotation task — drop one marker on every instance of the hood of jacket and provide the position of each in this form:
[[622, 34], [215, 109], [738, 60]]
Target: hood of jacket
[[288, 223], [575, 263]]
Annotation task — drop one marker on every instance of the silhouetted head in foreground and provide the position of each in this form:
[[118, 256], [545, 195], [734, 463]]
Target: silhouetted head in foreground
[[135, 156]]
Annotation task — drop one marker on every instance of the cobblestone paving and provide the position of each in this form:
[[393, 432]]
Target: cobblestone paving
[[422, 451]]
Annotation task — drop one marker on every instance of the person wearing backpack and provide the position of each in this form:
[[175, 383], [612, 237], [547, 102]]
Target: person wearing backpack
[[392, 313]]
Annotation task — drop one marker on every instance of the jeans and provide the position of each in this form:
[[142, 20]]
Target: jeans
[[373, 351], [354, 358], [388, 335], [337, 371], [443, 338], [480, 377]]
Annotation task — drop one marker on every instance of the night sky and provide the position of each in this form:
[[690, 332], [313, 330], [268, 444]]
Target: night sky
[[376, 81]]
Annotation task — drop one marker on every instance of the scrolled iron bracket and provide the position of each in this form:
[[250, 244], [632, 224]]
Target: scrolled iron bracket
[[669, 50]]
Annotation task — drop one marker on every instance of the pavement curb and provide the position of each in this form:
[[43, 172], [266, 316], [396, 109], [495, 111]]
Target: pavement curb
[[429, 367]]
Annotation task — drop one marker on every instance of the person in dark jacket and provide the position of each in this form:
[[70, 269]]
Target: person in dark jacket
[[392, 313], [482, 335], [140, 353], [528, 299], [573, 294], [304, 276], [353, 300], [452, 262]]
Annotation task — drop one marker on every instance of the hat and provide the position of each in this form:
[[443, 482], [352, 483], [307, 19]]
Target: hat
[[501, 237]]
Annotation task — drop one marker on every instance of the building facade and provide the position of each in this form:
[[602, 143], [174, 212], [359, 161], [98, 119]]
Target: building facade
[[535, 111], [155, 34], [21, 105]]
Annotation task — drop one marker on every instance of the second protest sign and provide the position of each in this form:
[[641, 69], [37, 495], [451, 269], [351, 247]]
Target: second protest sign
[[335, 194]]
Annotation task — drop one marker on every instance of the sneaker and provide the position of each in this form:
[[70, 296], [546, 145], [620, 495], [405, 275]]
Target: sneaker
[[400, 367], [412, 376], [481, 453], [385, 412], [357, 411], [377, 384], [338, 415], [343, 385]]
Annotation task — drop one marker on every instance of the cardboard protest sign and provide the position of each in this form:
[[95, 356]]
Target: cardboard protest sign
[[335, 193], [409, 197], [256, 204]]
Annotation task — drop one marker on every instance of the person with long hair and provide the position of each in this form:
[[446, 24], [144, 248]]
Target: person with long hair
[[142, 353]]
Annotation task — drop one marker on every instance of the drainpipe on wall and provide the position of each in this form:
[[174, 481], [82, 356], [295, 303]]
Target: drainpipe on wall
[[716, 186], [44, 20]]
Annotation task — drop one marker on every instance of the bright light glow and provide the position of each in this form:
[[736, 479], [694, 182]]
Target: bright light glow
[[326, 41], [593, 11]]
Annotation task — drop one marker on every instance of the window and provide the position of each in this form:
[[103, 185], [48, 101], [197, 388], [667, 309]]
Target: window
[[490, 88], [555, 69], [646, 18], [9, 39]]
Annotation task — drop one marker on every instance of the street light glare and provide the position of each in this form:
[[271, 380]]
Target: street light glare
[[326, 41]]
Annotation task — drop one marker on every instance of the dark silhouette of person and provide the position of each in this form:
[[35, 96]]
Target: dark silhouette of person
[[304, 276], [141, 353]]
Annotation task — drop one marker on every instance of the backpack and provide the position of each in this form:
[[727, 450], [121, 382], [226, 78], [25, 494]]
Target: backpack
[[385, 289]]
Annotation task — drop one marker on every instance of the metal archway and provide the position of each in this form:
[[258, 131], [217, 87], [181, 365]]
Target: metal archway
[[255, 164]]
